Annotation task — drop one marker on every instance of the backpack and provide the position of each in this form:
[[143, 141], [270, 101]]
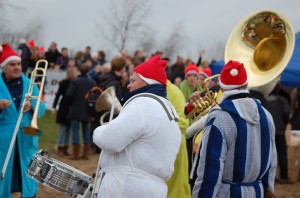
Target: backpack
[[91, 98]]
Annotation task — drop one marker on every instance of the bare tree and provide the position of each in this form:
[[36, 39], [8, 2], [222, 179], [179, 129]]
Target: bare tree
[[32, 30], [148, 42], [123, 25], [175, 40], [218, 50]]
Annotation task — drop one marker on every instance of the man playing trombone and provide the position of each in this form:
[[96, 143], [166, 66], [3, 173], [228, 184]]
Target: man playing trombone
[[14, 86]]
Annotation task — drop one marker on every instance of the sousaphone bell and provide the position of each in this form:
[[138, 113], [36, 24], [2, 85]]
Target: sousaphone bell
[[264, 42]]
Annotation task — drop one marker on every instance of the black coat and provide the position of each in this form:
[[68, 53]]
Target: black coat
[[75, 96], [51, 57], [64, 105], [111, 79], [25, 54]]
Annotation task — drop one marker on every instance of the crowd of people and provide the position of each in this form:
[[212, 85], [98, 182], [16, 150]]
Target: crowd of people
[[145, 150]]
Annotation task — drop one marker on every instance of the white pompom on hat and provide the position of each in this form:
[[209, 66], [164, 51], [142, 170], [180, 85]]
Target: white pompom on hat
[[233, 75], [8, 54]]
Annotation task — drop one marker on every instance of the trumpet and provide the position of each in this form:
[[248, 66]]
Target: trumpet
[[37, 73], [204, 104]]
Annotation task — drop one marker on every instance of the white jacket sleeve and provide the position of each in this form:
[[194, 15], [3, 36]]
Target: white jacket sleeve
[[121, 131]]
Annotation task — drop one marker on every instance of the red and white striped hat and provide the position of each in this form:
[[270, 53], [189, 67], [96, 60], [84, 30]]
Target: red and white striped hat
[[8, 54], [153, 71]]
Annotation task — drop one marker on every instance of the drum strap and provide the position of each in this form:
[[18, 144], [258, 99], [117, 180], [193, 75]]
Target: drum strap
[[170, 112]]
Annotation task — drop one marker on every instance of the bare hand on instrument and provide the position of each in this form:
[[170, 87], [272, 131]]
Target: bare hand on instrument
[[4, 103], [27, 106], [194, 97]]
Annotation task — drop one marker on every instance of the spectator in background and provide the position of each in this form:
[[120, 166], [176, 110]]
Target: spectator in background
[[52, 54], [87, 54], [63, 59], [125, 82], [62, 113], [280, 111], [25, 54], [138, 56], [177, 69], [34, 54], [295, 117], [101, 58], [113, 78], [177, 81], [77, 112], [79, 58], [191, 82], [41, 53], [168, 68], [204, 73], [201, 53]]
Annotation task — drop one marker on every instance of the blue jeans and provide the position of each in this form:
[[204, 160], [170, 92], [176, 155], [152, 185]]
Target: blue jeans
[[63, 135], [85, 132]]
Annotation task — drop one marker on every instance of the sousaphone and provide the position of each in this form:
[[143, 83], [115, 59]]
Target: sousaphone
[[264, 42]]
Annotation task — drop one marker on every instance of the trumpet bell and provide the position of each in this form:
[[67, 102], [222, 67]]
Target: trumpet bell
[[264, 42], [107, 99]]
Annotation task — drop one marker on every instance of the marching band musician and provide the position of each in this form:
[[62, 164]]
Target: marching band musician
[[238, 154], [14, 86], [139, 147]]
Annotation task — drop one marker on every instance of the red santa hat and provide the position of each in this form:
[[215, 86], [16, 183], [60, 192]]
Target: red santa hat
[[31, 43], [233, 75], [153, 71], [41, 49], [8, 54], [206, 72], [191, 69]]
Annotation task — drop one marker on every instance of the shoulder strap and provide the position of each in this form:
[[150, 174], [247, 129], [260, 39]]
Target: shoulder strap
[[171, 117]]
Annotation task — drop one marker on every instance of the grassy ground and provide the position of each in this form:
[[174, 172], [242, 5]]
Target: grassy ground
[[49, 129]]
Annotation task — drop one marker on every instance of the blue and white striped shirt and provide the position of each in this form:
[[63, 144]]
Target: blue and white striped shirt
[[238, 155]]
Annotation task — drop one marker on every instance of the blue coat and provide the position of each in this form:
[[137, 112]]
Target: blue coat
[[28, 145]]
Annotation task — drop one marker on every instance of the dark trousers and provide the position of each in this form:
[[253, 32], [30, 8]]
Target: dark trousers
[[282, 155]]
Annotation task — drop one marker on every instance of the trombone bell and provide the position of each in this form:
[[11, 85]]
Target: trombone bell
[[29, 130]]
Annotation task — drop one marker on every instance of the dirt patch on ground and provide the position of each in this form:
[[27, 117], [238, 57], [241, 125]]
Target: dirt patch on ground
[[89, 167]]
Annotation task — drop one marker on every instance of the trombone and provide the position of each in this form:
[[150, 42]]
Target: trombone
[[37, 73]]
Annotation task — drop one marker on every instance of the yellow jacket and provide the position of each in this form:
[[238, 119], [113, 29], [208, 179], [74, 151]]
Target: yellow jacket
[[178, 184]]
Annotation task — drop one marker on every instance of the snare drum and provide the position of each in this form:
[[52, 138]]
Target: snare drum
[[57, 175]]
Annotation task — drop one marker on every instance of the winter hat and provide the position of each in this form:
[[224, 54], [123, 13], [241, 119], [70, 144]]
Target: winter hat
[[191, 69], [8, 54], [233, 75], [206, 72], [153, 71], [31, 43], [41, 49]]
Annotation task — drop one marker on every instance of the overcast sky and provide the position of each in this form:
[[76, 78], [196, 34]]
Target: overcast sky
[[71, 23]]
